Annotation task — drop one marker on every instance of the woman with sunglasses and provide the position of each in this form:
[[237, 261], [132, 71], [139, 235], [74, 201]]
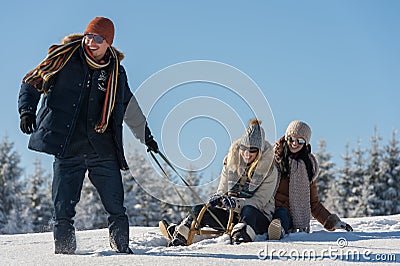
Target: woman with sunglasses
[[247, 184], [297, 196]]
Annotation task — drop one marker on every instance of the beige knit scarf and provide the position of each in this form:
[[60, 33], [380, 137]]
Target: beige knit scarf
[[299, 196]]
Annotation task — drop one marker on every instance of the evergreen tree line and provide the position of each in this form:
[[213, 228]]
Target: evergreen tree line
[[368, 184], [26, 206]]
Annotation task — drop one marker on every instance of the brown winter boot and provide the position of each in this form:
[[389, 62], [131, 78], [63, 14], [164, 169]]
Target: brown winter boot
[[275, 230]]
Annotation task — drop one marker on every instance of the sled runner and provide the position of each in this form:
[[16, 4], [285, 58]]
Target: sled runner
[[168, 229], [196, 230]]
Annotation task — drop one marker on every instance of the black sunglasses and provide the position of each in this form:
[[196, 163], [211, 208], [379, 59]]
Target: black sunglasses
[[97, 38], [300, 141], [249, 149]]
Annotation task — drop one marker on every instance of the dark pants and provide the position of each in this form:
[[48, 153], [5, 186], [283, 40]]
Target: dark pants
[[283, 215], [249, 215], [255, 218], [105, 175]]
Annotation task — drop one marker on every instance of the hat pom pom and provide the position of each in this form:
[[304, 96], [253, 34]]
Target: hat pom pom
[[254, 121]]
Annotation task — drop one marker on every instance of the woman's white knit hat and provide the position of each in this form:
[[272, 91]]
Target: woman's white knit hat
[[300, 129]]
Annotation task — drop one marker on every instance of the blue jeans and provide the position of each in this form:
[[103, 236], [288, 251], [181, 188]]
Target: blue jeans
[[255, 218], [105, 175], [283, 215]]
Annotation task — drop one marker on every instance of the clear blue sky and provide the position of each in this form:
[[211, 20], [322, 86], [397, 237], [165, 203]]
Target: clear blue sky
[[334, 64]]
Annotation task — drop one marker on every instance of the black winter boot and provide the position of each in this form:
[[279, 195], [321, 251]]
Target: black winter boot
[[119, 234], [242, 233], [180, 236], [167, 229], [64, 238]]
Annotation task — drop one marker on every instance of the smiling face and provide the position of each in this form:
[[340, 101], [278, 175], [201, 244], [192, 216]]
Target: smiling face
[[98, 50], [293, 143], [248, 155]]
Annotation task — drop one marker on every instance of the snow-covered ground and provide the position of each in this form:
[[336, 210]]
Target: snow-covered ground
[[375, 239]]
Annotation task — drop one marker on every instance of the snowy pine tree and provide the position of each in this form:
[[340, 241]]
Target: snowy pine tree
[[131, 196], [391, 173], [11, 189], [40, 207], [326, 176], [375, 185], [358, 200], [3, 215], [143, 191], [342, 192], [136, 198]]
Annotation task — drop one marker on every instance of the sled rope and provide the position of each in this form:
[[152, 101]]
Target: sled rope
[[187, 184], [176, 190]]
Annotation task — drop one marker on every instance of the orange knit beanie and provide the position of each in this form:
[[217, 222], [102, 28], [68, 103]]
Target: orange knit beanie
[[103, 27]]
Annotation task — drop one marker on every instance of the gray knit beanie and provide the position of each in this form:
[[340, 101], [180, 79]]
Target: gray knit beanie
[[299, 128], [254, 135]]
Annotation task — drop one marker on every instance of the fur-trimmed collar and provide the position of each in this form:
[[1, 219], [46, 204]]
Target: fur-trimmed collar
[[264, 165], [76, 36]]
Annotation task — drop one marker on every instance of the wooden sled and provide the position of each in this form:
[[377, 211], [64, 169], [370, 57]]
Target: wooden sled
[[196, 230]]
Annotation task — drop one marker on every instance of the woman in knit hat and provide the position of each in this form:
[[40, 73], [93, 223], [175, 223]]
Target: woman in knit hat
[[297, 196], [247, 185]]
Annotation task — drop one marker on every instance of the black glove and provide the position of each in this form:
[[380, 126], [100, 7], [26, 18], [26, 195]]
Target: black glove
[[222, 201], [28, 123], [149, 140], [215, 200], [152, 146], [228, 202]]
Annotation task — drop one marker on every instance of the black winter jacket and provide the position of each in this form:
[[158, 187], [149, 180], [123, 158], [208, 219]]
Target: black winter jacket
[[57, 116]]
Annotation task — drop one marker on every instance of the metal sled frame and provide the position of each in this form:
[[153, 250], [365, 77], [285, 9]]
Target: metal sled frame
[[196, 230]]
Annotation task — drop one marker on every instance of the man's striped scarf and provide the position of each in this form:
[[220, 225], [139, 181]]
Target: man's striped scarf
[[57, 58]]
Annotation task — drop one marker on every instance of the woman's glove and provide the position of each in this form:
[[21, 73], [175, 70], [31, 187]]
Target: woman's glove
[[228, 202], [224, 201], [333, 222], [343, 225], [215, 200]]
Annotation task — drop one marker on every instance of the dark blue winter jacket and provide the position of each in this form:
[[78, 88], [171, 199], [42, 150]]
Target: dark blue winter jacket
[[57, 116]]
